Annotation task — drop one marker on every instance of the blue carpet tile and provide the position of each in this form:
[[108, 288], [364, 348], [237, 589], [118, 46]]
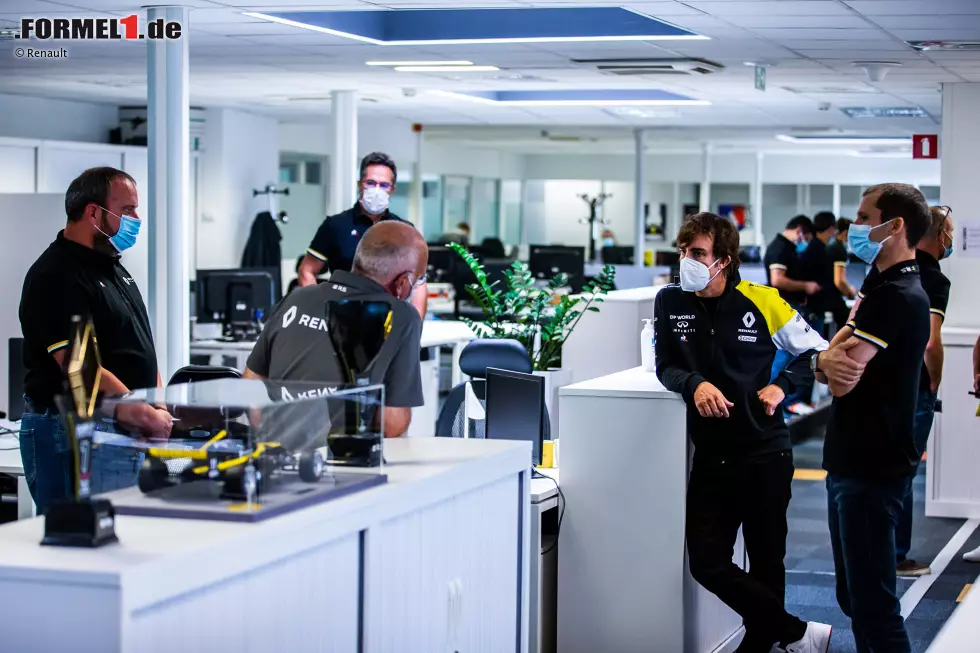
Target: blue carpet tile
[[810, 583]]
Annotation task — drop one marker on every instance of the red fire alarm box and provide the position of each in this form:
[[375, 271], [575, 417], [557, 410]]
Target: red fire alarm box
[[925, 146]]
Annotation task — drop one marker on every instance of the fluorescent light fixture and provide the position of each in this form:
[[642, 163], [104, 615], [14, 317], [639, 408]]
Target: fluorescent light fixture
[[572, 103], [419, 63], [845, 140], [883, 112], [535, 39], [640, 112], [446, 69], [889, 154]]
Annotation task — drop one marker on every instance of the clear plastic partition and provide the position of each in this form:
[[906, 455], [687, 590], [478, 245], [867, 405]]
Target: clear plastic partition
[[233, 442]]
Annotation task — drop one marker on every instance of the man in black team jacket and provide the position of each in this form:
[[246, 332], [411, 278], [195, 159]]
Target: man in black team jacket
[[715, 340]]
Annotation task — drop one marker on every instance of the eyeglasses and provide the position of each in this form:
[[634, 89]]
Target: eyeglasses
[[370, 183], [946, 210], [420, 281]]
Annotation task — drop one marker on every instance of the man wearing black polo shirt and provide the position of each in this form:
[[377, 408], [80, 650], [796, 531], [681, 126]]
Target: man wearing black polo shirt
[[873, 368], [782, 261], [336, 240], [80, 274], [817, 264], [389, 264]]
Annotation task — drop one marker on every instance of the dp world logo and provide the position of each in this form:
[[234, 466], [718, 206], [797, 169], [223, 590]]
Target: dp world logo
[[288, 318], [748, 320]]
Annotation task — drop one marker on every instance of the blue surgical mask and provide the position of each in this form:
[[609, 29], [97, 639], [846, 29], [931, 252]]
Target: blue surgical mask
[[125, 237], [858, 238], [608, 242], [948, 251], [801, 246]]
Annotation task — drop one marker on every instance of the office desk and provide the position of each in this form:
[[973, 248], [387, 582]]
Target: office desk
[[435, 334], [623, 579], [962, 630], [434, 560], [11, 464]]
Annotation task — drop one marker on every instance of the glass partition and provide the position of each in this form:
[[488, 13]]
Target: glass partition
[[455, 201], [486, 209], [512, 213]]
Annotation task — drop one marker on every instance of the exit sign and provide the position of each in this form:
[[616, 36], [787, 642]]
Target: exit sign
[[925, 146]]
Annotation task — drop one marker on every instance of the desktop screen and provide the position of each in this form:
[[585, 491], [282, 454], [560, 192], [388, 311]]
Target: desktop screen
[[515, 408]]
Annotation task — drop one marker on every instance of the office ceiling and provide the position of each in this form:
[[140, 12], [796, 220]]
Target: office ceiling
[[808, 46]]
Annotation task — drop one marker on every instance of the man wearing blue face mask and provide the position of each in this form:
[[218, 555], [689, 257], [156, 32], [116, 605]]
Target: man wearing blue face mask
[[80, 273], [336, 240], [873, 368]]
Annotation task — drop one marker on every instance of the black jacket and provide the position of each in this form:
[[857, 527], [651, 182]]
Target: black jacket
[[262, 249], [733, 350]]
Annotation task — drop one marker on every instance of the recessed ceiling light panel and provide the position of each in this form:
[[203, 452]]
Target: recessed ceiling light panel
[[573, 98], [457, 26], [817, 139], [419, 63], [446, 69]]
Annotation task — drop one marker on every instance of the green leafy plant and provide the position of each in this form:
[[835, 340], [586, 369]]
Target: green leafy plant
[[522, 309]]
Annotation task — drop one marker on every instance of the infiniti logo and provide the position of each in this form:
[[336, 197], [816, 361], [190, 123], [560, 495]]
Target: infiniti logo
[[682, 325]]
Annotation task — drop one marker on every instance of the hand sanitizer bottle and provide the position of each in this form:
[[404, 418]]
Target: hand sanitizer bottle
[[646, 346]]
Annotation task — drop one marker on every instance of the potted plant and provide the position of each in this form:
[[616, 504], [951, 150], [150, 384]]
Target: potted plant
[[540, 318]]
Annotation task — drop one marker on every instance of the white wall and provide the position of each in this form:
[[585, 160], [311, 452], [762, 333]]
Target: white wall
[[396, 138], [736, 168], [241, 153], [958, 147], [22, 116]]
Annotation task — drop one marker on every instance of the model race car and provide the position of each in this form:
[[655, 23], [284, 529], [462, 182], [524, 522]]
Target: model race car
[[244, 471]]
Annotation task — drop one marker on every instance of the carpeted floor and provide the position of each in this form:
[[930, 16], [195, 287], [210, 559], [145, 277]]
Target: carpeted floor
[[810, 566]]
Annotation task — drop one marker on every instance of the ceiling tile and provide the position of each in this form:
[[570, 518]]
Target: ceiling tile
[[913, 7], [728, 8], [830, 22], [945, 21], [918, 34], [818, 34]]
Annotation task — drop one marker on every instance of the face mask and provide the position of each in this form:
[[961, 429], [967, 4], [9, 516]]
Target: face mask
[[125, 237], [695, 276], [608, 242], [374, 200], [948, 251], [858, 239], [801, 247]]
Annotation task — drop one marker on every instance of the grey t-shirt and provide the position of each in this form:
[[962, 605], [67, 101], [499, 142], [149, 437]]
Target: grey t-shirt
[[294, 345]]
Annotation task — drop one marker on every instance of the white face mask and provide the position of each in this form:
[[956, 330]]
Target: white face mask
[[374, 201], [695, 275]]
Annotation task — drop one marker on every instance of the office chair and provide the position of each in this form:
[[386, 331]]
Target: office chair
[[494, 248], [198, 421], [463, 415]]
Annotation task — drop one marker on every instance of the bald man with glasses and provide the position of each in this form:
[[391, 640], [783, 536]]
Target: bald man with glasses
[[336, 240]]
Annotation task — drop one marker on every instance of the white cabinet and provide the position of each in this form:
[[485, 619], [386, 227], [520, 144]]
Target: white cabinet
[[953, 463], [466, 597]]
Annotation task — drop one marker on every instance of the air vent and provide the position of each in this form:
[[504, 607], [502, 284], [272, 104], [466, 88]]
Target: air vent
[[945, 46], [884, 112], [635, 67]]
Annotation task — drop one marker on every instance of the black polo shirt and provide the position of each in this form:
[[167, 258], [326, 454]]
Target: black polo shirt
[[781, 255], [817, 264], [837, 253], [870, 431], [71, 279], [934, 282], [336, 240], [294, 345]]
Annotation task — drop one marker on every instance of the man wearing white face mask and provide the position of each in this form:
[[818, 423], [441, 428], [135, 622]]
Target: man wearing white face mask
[[80, 273], [715, 340], [336, 240], [873, 367]]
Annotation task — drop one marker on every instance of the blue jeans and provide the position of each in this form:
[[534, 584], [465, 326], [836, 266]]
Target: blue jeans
[[862, 516], [925, 411], [49, 461]]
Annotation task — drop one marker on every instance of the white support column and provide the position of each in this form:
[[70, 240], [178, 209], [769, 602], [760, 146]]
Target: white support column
[[835, 207], [343, 153], [757, 199], [704, 200], [640, 183], [415, 212], [168, 208], [675, 216]]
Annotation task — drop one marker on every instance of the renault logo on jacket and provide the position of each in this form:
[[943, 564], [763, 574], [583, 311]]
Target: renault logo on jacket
[[748, 320]]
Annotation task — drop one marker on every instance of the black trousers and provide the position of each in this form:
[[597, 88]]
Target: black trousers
[[721, 497]]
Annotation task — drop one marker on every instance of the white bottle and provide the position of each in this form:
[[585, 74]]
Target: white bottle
[[646, 346]]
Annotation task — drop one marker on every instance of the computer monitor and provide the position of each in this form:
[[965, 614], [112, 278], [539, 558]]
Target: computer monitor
[[545, 261], [235, 297], [618, 255], [440, 263], [667, 258], [515, 408]]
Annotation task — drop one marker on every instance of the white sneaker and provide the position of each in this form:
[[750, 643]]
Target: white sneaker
[[972, 556], [815, 640]]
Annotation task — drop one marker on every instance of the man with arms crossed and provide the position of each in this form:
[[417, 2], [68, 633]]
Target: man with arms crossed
[[873, 367], [715, 340], [336, 240], [388, 266]]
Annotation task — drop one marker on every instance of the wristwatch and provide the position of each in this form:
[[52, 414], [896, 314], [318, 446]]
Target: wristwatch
[[814, 360]]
